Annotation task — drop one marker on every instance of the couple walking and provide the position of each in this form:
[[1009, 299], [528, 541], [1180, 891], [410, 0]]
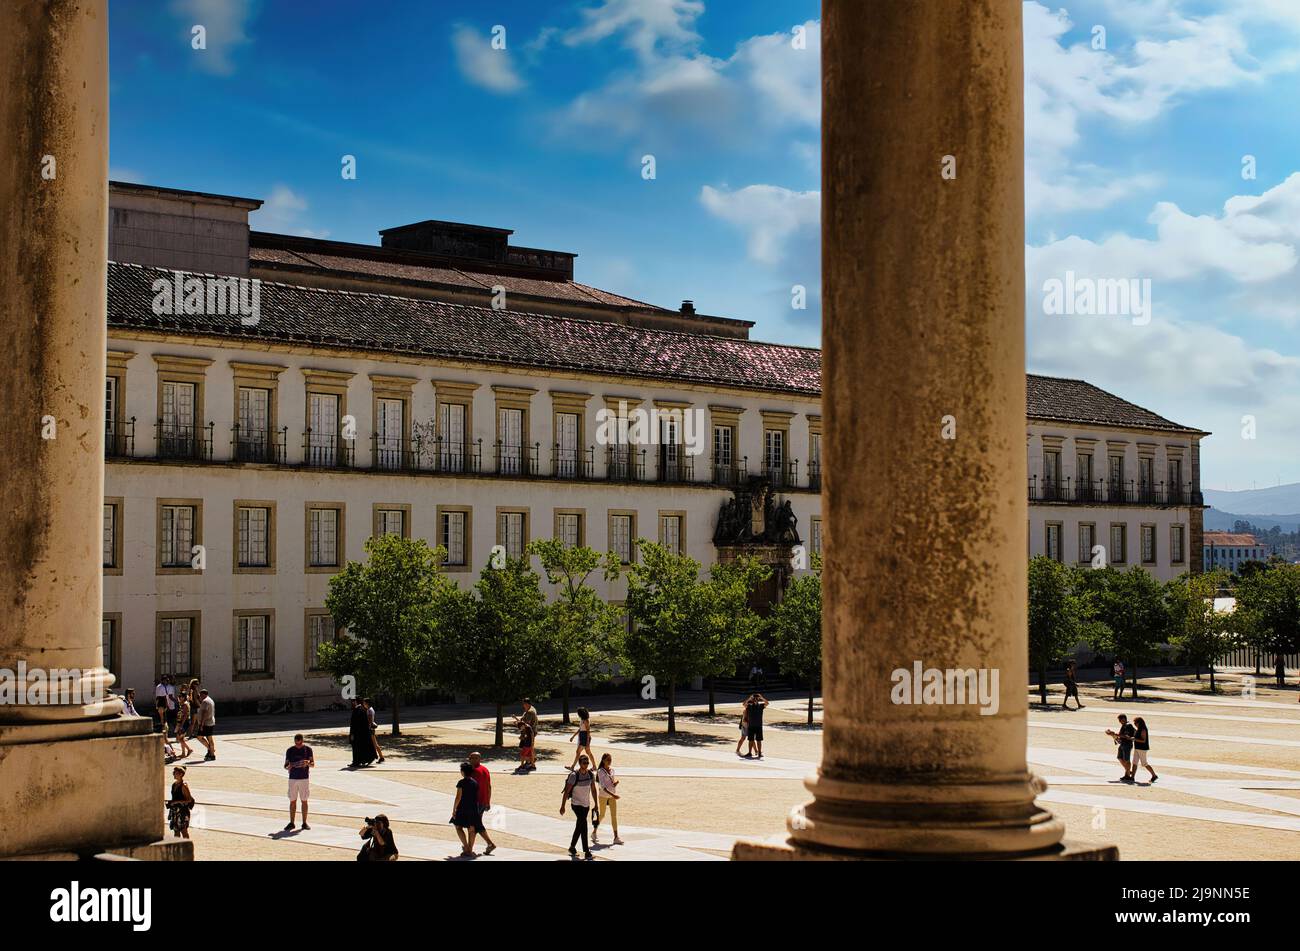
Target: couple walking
[[1134, 742], [751, 725]]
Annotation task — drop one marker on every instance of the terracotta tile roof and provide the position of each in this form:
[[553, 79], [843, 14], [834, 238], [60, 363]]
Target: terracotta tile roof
[[430, 328], [1230, 539], [1075, 401]]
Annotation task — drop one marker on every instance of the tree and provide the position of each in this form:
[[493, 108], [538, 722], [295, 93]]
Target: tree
[[733, 625], [668, 637], [796, 627], [1131, 608], [1202, 634], [504, 651], [1060, 615], [585, 626], [389, 606], [1268, 613]]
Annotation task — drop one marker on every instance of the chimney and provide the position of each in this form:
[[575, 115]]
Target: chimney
[[688, 307]]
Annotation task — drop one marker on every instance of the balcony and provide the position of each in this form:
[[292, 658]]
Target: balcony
[[1105, 492], [675, 465], [326, 450], [572, 463], [182, 441], [258, 445], [453, 457], [119, 438], [394, 455], [512, 460], [726, 471], [782, 475], [815, 476], [624, 464]]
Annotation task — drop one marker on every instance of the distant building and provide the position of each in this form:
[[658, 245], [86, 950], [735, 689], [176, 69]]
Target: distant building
[[1231, 550]]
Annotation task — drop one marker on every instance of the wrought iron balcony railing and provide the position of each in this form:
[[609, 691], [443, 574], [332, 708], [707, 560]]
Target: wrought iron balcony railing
[[727, 471], [512, 460], [119, 438], [572, 463], [1106, 492], [321, 450], [624, 464], [394, 455], [675, 465], [182, 441], [258, 445]]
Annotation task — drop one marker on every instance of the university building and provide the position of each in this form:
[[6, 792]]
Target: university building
[[452, 386], [1231, 550]]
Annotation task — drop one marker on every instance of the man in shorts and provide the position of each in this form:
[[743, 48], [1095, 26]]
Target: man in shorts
[[1124, 740], [208, 724], [298, 760], [754, 731], [484, 779]]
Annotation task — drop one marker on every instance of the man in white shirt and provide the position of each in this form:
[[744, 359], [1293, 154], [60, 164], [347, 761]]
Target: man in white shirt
[[207, 724]]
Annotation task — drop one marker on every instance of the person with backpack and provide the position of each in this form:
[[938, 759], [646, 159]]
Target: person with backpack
[[1117, 671], [607, 797], [580, 787]]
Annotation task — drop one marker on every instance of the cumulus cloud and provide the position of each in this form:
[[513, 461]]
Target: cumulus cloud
[[771, 218], [225, 23], [647, 27], [481, 64], [282, 213]]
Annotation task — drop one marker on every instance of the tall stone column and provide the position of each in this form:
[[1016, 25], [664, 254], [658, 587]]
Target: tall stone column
[[924, 403], [75, 775]]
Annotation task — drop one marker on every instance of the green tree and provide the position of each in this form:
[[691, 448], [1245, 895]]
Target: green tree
[[669, 636], [583, 624], [1060, 615], [1131, 608], [504, 651], [1202, 634], [1268, 613], [389, 608], [796, 627], [734, 627]]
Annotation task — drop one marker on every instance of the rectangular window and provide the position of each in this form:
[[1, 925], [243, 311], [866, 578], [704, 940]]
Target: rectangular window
[[1116, 472], [1053, 541], [253, 634], [510, 533], [1087, 539], [621, 533], [323, 540], [175, 645], [320, 630], [176, 428], [391, 522], [566, 446], [176, 536], [670, 449], [452, 537], [723, 439], [774, 455], [254, 537], [254, 437], [389, 430], [568, 529], [323, 429], [510, 441], [112, 444], [1083, 471], [814, 460], [108, 643], [815, 537], [110, 536], [451, 435], [1148, 544], [1051, 467], [1118, 544], [670, 533], [1176, 544], [1146, 476]]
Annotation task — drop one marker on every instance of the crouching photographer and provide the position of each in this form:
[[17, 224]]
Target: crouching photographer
[[380, 845]]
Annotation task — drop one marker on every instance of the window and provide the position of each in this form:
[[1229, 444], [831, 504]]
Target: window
[[391, 521], [253, 439], [622, 532], [254, 548], [815, 537], [322, 429], [510, 441], [453, 535], [1146, 476], [1052, 540], [1118, 544], [670, 531], [512, 532], [568, 529], [177, 535], [1148, 544], [320, 630], [1083, 473], [670, 447], [252, 644], [724, 438], [110, 536], [566, 446], [108, 643], [114, 431], [177, 645], [1051, 469], [1116, 472], [389, 432], [1176, 544], [177, 421], [814, 460], [451, 437], [1087, 539], [774, 455], [324, 542]]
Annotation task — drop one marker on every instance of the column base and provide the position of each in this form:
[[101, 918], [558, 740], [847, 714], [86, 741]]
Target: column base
[[778, 849], [80, 788]]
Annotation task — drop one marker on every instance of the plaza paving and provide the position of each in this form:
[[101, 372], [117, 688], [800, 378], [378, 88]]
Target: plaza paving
[[1229, 784]]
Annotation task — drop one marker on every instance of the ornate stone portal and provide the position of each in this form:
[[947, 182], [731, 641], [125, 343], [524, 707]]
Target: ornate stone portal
[[753, 523]]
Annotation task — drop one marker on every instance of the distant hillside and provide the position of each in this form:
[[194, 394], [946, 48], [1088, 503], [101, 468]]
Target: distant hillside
[[1219, 521], [1257, 502]]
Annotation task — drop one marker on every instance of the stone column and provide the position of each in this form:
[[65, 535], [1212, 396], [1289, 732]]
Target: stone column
[[77, 776], [923, 338]]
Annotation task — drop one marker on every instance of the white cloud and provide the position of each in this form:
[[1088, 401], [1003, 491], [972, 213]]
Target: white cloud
[[481, 64], [282, 212], [225, 23], [647, 27], [772, 218]]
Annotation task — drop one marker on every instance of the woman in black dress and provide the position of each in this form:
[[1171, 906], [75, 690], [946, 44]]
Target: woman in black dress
[[363, 744], [180, 805], [464, 812]]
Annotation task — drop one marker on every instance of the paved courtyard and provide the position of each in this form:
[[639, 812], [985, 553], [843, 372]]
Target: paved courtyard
[[1229, 784]]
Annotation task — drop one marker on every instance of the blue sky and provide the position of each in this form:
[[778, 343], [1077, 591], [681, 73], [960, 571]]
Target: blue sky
[[1134, 159]]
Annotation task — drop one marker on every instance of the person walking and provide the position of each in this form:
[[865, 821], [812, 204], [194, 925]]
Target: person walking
[[363, 743], [1141, 747], [1124, 740], [298, 760], [744, 723], [1071, 687], [184, 712], [160, 703], [529, 717], [180, 805], [583, 733], [756, 705], [1117, 672], [374, 728], [483, 777], [208, 724], [606, 798], [465, 815], [579, 787], [170, 697], [526, 752]]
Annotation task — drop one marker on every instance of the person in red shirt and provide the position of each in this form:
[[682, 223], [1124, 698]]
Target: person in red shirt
[[484, 780]]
